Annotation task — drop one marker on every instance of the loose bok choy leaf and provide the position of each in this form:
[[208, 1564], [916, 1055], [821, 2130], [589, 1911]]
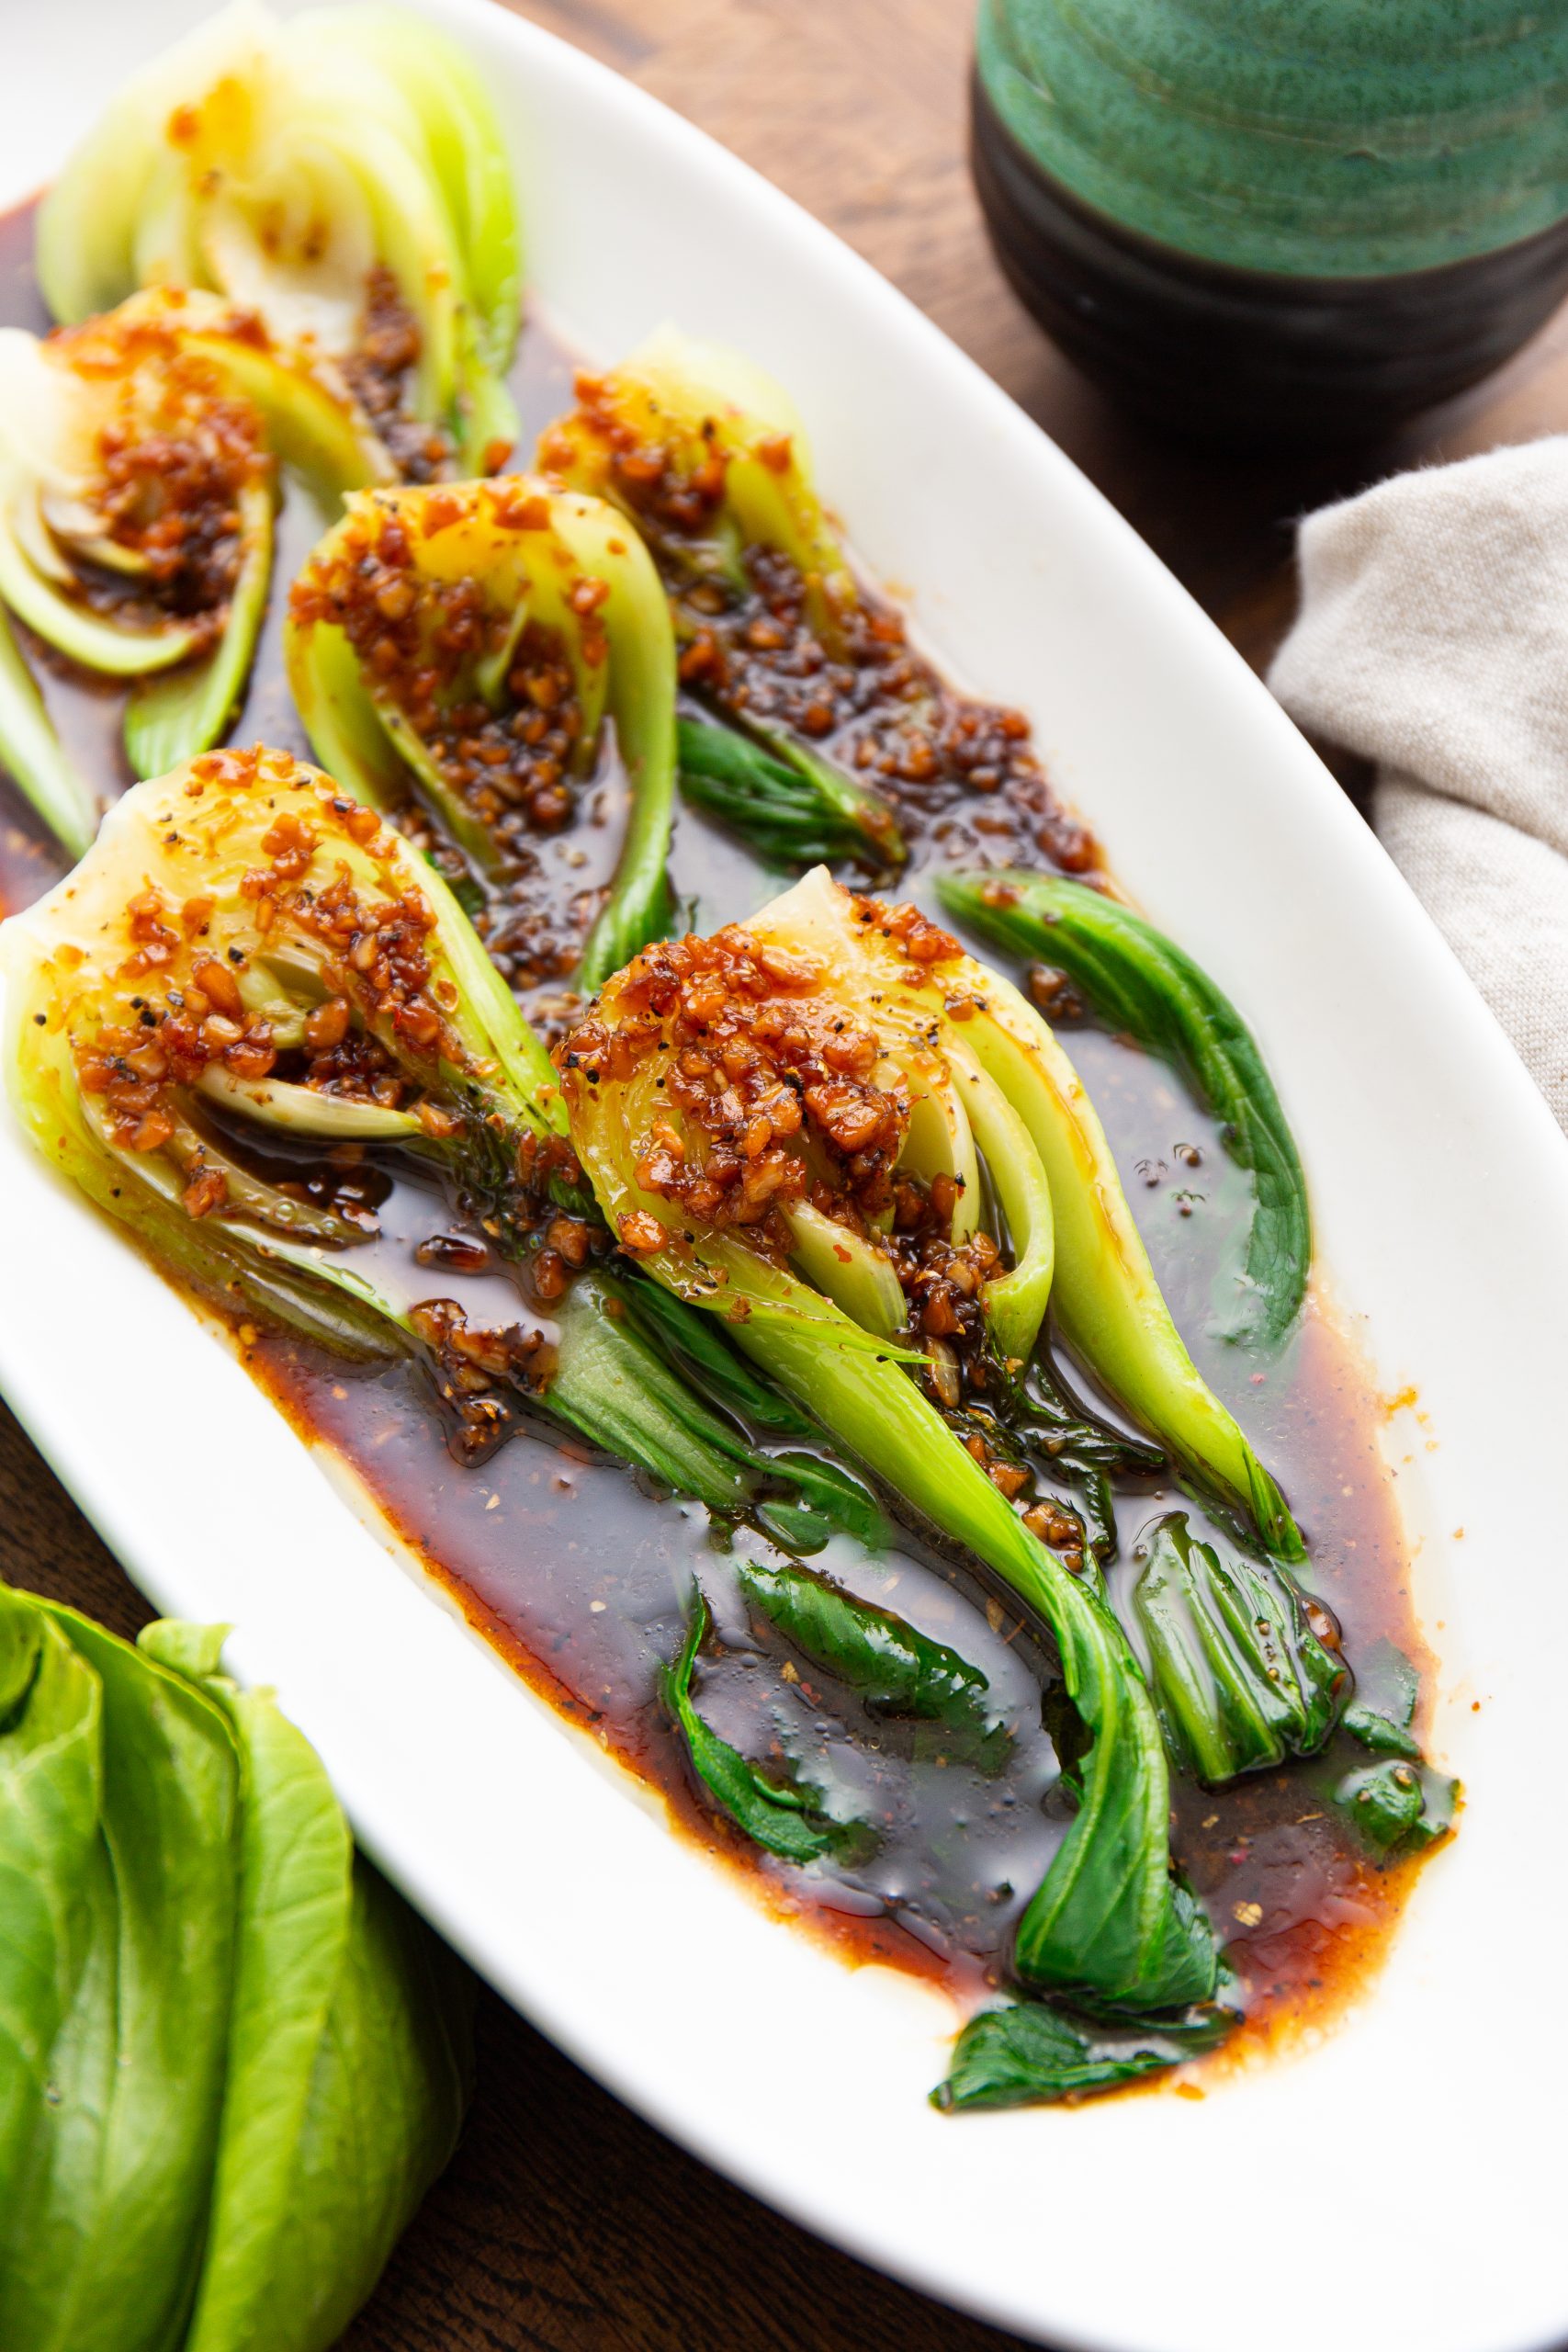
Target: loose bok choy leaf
[[787, 1817], [136, 461], [1401, 1804], [1143, 983], [895, 1669], [1381, 1713], [342, 175], [485, 644], [1028, 2055], [246, 947], [103, 2217], [834, 1061], [215, 2000], [1041, 1408], [346, 2008], [708, 457], [1398, 1806], [1246, 1671], [694, 1342]]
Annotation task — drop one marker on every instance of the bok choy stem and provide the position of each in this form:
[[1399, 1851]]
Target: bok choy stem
[[31, 754]]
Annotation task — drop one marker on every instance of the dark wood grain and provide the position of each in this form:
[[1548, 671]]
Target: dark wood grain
[[566, 2224]]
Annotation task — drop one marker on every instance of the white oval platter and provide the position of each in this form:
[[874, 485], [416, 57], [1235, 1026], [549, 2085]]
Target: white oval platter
[[1398, 2186]]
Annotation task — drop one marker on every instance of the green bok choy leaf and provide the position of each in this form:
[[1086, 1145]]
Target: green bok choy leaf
[[207, 1991], [483, 645], [1028, 2055], [615, 1387], [786, 1816], [1143, 983], [1399, 1804], [894, 1668], [788, 815], [1246, 1671]]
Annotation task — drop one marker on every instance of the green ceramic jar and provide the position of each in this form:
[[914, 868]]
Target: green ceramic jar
[[1342, 210]]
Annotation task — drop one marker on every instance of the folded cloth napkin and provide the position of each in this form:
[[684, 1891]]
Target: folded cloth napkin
[[1433, 638]]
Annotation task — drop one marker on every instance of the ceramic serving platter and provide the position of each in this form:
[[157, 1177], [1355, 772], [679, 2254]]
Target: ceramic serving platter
[[1394, 2184]]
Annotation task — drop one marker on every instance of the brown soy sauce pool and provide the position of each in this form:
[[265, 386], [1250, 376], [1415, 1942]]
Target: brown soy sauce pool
[[583, 1579]]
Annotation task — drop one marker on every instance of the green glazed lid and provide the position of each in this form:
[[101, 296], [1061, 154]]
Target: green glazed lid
[[1323, 137]]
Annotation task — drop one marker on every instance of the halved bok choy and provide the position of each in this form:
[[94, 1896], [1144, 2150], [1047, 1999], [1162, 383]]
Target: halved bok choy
[[249, 969], [137, 460], [762, 1115], [874, 1039], [343, 175], [706, 456], [489, 646], [245, 944]]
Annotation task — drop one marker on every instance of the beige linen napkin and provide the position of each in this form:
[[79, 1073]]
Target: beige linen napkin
[[1433, 638]]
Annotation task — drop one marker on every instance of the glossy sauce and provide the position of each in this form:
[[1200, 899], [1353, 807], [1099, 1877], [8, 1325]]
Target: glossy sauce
[[583, 1578]]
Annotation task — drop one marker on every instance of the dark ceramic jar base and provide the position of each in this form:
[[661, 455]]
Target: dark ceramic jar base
[[1252, 354]]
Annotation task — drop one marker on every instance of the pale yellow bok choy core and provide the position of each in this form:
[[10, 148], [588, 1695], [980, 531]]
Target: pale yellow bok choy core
[[341, 173], [478, 642], [138, 463]]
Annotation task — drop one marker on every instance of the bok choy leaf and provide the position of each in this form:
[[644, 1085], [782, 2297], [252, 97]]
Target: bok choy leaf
[[103, 2220], [895, 1669], [1028, 2055], [1246, 1671], [839, 1034], [613, 1384], [344, 2007], [788, 813], [245, 2059], [1143, 983], [785, 1816]]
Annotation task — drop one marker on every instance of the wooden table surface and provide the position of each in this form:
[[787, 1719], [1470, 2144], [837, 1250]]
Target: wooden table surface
[[566, 2224]]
